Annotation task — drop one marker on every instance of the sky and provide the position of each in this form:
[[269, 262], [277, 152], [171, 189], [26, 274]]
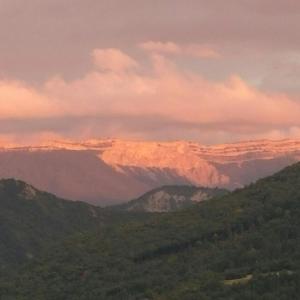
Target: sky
[[210, 71]]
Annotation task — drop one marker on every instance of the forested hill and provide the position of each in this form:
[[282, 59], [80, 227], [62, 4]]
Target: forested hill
[[31, 219], [244, 245]]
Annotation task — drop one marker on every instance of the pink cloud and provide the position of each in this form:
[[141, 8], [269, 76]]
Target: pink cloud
[[18, 100], [202, 51], [183, 96], [113, 60], [167, 47], [195, 50], [164, 95]]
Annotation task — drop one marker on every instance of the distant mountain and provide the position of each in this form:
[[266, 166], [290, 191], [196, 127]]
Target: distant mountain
[[171, 198], [111, 171], [244, 245]]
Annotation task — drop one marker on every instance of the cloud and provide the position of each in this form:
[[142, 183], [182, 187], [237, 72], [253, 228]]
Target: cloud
[[195, 50], [113, 60], [18, 100], [167, 47], [249, 34], [201, 51], [165, 101]]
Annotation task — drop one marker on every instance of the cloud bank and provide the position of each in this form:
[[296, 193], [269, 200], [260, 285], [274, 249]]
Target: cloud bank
[[122, 96]]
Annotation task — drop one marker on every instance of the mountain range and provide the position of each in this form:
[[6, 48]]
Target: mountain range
[[110, 171]]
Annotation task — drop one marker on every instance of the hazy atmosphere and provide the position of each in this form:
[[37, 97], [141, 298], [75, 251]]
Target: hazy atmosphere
[[210, 71]]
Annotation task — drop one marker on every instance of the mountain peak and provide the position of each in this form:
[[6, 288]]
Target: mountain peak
[[14, 187]]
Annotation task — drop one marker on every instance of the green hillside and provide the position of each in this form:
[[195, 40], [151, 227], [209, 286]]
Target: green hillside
[[31, 219], [244, 245], [28, 218]]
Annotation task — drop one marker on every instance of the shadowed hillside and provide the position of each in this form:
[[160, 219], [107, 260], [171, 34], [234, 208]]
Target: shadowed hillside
[[244, 245], [31, 219]]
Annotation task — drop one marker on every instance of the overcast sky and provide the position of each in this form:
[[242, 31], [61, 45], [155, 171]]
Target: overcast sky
[[211, 71]]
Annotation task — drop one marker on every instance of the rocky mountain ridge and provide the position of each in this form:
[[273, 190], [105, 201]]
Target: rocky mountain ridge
[[171, 198], [222, 152], [108, 171]]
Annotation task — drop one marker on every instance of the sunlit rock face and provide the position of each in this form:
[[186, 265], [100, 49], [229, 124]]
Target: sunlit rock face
[[171, 198], [108, 171]]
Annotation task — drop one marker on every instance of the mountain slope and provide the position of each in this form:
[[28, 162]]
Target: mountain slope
[[76, 175], [111, 171], [244, 245], [29, 218], [170, 198]]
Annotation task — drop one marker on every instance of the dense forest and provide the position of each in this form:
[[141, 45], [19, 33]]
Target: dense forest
[[244, 245]]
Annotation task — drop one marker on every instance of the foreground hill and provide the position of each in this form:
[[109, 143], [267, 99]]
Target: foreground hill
[[110, 171], [31, 219], [244, 245], [171, 198]]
